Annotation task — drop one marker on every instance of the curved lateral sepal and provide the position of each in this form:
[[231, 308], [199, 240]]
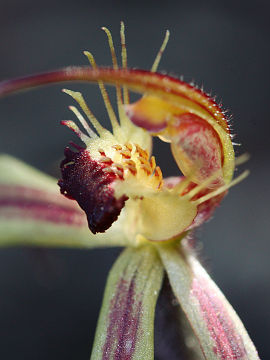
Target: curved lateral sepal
[[32, 212], [126, 323], [217, 327]]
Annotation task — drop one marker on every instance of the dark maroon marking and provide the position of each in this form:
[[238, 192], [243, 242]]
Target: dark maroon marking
[[84, 180], [125, 312], [228, 343], [44, 211]]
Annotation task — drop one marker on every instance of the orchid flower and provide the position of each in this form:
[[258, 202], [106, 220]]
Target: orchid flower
[[120, 198]]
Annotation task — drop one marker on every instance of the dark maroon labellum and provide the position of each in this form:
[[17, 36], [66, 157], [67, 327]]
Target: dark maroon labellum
[[84, 180]]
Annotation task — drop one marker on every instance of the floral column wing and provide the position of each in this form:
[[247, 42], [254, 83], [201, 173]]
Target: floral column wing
[[33, 212]]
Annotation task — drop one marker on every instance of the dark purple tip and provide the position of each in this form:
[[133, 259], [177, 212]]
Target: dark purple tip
[[84, 180]]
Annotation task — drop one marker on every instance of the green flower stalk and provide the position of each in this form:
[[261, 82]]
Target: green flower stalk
[[120, 198]]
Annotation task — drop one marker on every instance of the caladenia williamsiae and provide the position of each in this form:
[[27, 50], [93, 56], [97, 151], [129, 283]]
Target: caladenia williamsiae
[[115, 195]]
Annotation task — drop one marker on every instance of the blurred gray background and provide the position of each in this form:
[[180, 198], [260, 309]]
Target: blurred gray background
[[50, 299]]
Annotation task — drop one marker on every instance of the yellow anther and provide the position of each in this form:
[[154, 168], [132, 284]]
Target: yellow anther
[[129, 146], [143, 160], [153, 162], [147, 168], [132, 169], [101, 151], [108, 170], [119, 166], [125, 153], [105, 159], [143, 153], [129, 162], [119, 173], [117, 147], [158, 173]]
